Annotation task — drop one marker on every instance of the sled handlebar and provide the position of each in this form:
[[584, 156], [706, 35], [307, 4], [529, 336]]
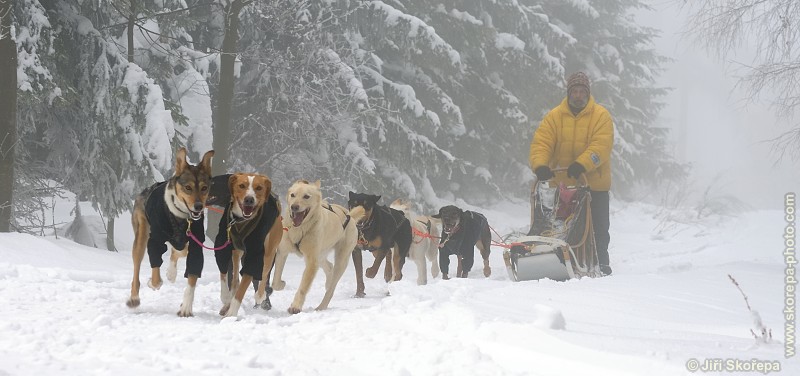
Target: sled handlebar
[[582, 181]]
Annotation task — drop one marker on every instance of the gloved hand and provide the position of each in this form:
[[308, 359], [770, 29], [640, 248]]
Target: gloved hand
[[575, 170], [544, 173]]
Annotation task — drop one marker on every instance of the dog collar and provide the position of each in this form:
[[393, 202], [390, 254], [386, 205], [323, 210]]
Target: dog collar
[[454, 230]]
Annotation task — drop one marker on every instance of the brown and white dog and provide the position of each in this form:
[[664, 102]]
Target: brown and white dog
[[314, 228], [254, 230], [425, 241], [167, 212]]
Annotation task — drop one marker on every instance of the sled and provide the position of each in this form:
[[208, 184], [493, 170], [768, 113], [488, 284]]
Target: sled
[[560, 244]]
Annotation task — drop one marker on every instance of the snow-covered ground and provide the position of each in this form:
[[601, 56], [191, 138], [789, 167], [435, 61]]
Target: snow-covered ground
[[669, 300]]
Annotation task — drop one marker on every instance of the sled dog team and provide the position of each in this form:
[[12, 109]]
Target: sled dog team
[[254, 235]]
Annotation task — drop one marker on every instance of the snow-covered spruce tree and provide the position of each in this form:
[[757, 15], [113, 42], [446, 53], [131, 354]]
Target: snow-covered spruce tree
[[619, 57], [304, 110], [453, 92], [411, 137], [37, 92], [290, 105], [403, 65], [163, 47], [108, 134], [511, 55]]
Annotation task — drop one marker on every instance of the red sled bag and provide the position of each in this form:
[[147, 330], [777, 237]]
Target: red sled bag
[[567, 201]]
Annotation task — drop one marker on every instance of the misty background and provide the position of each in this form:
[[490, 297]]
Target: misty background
[[714, 126], [427, 100]]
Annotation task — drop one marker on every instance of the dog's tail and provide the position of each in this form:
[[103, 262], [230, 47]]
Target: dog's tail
[[357, 214]]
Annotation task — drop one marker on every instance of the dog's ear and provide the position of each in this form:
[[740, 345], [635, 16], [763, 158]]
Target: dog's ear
[[437, 215], [231, 182], [350, 195], [375, 198], [205, 163], [180, 161], [318, 183]]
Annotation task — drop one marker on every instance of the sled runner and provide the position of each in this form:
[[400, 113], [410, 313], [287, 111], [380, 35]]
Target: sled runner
[[560, 244]]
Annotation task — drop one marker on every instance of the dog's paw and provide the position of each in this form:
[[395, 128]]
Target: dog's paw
[[224, 310], [360, 294], [278, 285], [294, 310], [463, 274], [445, 276], [133, 302], [233, 309], [371, 272], [185, 312], [172, 273], [487, 271], [265, 305], [154, 285]]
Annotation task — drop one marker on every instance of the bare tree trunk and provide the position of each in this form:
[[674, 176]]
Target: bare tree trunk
[[222, 121], [110, 235], [131, 23], [8, 114]]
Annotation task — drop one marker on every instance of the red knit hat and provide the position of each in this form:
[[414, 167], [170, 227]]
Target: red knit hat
[[577, 78]]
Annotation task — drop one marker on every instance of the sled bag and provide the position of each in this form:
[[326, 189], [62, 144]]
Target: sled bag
[[567, 201]]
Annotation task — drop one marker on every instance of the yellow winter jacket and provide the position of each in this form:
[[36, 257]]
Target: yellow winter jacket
[[563, 138]]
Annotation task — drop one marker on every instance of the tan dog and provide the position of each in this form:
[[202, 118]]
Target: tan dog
[[425, 241], [166, 212], [255, 232], [314, 228]]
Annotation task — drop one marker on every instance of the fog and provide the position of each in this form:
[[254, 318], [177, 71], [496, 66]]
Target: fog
[[713, 127]]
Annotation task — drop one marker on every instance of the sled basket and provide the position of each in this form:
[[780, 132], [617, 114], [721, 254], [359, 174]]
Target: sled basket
[[560, 244]]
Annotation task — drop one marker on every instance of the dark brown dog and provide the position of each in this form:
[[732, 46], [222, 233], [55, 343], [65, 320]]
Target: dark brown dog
[[461, 232], [382, 230]]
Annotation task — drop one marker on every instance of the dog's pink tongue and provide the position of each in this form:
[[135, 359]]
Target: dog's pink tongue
[[297, 218]]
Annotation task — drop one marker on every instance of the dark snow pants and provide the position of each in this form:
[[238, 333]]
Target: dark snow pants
[[601, 222]]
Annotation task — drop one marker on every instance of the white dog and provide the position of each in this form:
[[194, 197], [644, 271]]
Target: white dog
[[424, 243], [314, 228]]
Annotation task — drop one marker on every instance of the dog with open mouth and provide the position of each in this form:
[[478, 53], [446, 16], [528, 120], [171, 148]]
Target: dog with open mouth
[[462, 230], [168, 212], [249, 233], [314, 229]]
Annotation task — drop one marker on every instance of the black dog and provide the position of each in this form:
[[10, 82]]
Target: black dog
[[381, 230], [461, 232]]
